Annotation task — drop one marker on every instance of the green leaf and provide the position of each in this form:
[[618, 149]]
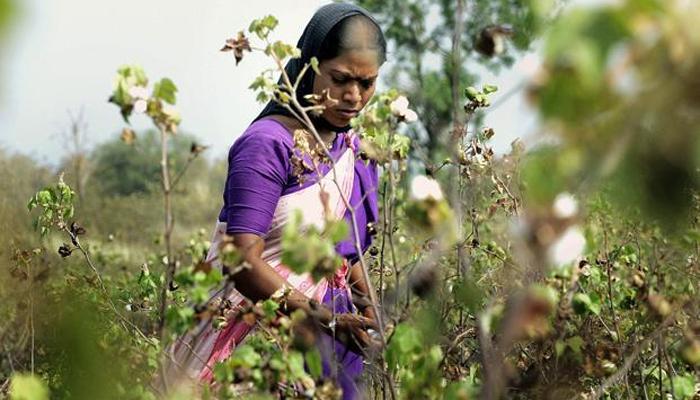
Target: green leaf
[[471, 93], [488, 89], [223, 372], [245, 356], [575, 343], [282, 50], [684, 386], [406, 341], [270, 308], [28, 387], [134, 75], [337, 230], [165, 90], [295, 363], [313, 362], [31, 204], [467, 293], [276, 363], [559, 347], [583, 303], [314, 65], [460, 390], [263, 26]]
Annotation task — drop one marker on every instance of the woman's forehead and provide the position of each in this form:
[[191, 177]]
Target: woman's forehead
[[361, 64]]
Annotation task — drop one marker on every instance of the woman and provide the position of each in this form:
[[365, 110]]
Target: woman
[[263, 188]]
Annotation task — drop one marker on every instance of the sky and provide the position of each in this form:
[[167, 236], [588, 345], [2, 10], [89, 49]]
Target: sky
[[61, 58]]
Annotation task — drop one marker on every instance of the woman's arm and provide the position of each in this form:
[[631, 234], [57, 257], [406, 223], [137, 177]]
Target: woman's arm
[[261, 281], [360, 292]]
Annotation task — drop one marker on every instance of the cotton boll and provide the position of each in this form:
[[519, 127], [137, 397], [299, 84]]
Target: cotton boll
[[140, 106], [170, 111], [423, 188], [565, 206], [138, 92], [567, 248], [410, 116], [399, 106]]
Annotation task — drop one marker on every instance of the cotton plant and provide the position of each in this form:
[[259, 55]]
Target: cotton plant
[[379, 127], [134, 96], [430, 215], [553, 236]]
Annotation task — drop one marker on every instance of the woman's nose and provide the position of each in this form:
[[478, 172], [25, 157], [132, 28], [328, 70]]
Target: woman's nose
[[352, 93]]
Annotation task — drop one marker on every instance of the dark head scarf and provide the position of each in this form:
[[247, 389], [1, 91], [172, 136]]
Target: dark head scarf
[[310, 43]]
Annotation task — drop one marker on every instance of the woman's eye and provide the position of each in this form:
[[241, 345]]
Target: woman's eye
[[366, 84], [339, 81]]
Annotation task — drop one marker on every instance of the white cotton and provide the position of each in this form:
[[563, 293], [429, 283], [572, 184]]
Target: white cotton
[[138, 92], [170, 110], [565, 206], [423, 187], [567, 248], [399, 106], [140, 106], [410, 116], [498, 44]]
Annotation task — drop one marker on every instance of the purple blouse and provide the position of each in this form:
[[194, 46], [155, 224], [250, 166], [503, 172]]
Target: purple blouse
[[260, 171]]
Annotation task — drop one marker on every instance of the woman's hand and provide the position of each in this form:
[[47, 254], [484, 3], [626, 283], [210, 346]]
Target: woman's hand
[[360, 291], [351, 329]]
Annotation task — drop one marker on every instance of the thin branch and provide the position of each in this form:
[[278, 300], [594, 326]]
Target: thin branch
[[632, 357]]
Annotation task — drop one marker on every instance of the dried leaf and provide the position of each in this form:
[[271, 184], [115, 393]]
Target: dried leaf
[[237, 46], [128, 136]]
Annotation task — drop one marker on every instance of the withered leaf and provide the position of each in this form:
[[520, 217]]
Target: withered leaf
[[196, 148], [490, 41], [65, 250], [76, 229], [128, 136], [237, 46]]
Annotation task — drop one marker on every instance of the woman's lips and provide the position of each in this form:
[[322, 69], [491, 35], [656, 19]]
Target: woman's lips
[[349, 114]]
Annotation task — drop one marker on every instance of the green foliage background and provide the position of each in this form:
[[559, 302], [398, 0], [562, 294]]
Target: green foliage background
[[476, 306]]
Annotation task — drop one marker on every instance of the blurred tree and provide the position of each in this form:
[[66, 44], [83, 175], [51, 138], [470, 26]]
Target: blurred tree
[[19, 177], [131, 164], [431, 45], [125, 179]]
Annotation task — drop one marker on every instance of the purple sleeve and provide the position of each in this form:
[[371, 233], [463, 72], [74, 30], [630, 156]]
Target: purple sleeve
[[257, 174]]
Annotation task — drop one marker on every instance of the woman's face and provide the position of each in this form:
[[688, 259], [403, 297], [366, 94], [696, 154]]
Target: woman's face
[[350, 79]]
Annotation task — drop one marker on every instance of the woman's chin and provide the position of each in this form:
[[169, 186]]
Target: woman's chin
[[338, 121]]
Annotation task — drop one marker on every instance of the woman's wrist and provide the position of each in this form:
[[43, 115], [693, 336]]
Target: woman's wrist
[[298, 301]]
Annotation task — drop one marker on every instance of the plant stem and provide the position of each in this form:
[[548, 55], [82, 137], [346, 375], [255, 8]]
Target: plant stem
[[167, 229], [123, 320]]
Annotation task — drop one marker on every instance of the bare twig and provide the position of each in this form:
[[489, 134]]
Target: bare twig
[[125, 322], [632, 357], [167, 228]]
